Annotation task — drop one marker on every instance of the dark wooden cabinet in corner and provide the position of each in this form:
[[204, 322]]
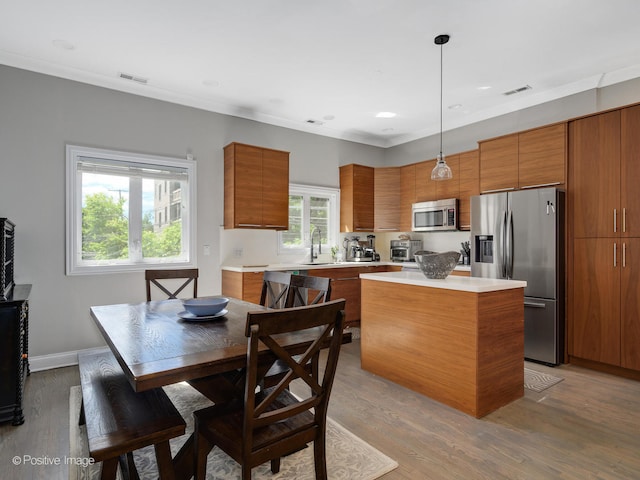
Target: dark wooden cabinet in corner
[[256, 187], [14, 350]]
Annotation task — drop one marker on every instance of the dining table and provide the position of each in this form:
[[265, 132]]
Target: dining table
[[157, 344]]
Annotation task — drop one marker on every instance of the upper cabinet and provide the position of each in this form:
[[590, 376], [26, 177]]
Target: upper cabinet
[[425, 187], [542, 156], [449, 188], [407, 195], [469, 186], [386, 212], [356, 198], [534, 158], [499, 164], [256, 187]]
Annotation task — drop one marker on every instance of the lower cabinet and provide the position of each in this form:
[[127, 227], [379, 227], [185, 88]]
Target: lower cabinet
[[345, 283], [605, 312], [246, 286]]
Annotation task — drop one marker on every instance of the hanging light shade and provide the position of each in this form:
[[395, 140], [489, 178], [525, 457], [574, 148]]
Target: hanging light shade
[[441, 171]]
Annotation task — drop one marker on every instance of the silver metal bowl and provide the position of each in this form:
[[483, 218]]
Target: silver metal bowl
[[436, 265]]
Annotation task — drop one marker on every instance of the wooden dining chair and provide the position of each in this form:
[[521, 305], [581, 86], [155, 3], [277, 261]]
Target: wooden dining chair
[[165, 281], [273, 423], [275, 289], [308, 290]]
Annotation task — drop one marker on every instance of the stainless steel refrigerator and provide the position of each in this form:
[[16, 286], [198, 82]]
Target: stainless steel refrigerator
[[520, 235]]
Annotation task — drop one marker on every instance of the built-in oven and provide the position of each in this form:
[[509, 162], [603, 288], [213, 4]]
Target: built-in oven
[[435, 216], [404, 250]]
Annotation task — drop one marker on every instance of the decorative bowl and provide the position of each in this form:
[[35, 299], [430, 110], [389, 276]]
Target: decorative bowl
[[437, 265], [204, 307]]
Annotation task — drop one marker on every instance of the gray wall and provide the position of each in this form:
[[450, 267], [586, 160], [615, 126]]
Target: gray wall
[[40, 114]]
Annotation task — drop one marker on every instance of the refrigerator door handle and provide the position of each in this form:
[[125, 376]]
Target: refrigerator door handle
[[509, 245], [503, 239], [535, 305]]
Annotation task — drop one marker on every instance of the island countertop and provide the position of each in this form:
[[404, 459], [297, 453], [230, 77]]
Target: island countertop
[[452, 282]]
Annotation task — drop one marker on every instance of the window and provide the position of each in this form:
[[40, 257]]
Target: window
[[115, 220], [310, 208]]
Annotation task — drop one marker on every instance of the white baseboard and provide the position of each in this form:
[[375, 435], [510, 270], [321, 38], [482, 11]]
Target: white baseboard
[[57, 360]]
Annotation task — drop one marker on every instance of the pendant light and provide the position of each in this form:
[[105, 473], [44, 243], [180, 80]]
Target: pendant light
[[441, 171]]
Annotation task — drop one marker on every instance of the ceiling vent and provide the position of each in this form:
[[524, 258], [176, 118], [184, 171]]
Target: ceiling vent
[[133, 78], [517, 90]]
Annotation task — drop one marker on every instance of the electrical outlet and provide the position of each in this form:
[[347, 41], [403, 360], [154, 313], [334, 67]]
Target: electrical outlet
[[237, 252], [206, 250]]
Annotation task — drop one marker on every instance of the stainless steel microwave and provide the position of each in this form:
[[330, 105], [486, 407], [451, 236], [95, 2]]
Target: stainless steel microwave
[[435, 216]]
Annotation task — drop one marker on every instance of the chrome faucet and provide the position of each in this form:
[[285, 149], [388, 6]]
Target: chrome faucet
[[313, 255]]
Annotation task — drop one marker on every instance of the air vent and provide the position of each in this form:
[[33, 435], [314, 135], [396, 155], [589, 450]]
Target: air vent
[[133, 78], [517, 90], [315, 122]]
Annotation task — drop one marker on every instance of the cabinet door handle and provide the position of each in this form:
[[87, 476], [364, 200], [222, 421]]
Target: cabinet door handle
[[249, 225], [615, 254], [540, 185], [615, 220], [275, 226], [624, 255], [624, 220]]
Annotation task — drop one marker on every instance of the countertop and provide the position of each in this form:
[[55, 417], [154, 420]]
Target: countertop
[[452, 282], [302, 266]]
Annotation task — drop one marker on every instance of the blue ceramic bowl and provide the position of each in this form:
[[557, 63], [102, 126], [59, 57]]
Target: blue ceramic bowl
[[204, 307]]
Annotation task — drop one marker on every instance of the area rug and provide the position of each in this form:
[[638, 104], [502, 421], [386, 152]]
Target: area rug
[[348, 456], [538, 381]]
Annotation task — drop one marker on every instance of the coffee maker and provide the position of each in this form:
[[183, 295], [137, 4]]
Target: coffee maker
[[370, 249]]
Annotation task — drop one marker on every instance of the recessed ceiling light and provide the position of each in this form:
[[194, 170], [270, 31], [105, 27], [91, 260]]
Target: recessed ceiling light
[[211, 83], [455, 106], [63, 44], [385, 115], [329, 117], [387, 130], [484, 87], [314, 122]]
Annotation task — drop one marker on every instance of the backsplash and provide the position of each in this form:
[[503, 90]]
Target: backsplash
[[260, 247]]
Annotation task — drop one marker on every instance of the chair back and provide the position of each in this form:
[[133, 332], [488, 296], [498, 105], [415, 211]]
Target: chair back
[[323, 324], [306, 290], [275, 288], [170, 285]]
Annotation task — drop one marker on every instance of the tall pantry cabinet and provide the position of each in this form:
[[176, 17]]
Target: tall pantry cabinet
[[604, 170]]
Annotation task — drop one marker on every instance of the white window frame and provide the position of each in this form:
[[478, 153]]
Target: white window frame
[[75, 265], [334, 218]]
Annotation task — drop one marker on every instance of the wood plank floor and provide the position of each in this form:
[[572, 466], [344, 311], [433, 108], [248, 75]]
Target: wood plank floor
[[585, 427]]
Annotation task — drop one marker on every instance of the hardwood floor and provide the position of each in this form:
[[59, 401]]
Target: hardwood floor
[[585, 427]]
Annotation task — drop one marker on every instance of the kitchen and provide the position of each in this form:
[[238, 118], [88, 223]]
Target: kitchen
[[33, 106]]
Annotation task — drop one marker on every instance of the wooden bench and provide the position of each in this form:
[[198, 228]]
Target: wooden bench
[[119, 420]]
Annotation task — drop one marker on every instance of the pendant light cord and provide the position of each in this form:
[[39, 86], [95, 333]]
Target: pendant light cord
[[441, 68]]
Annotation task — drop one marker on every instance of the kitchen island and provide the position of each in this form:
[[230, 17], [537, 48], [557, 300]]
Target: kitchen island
[[459, 340]]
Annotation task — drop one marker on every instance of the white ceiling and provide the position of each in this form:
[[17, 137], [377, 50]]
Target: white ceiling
[[339, 62]]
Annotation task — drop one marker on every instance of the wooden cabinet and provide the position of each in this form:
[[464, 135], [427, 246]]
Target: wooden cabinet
[[533, 158], [345, 283], [469, 186], [256, 187], [244, 285], [425, 187], [594, 172], [630, 304], [407, 195], [542, 156], [604, 170], [14, 353], [356, 198], [499, 163], [450, 188], [386, 205], [596, 301], [630, 172]]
